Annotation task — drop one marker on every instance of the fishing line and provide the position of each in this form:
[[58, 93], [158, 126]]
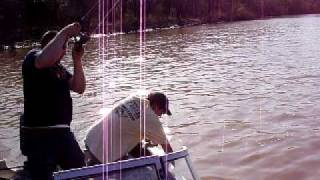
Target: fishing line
[[89, 11], [141, 58], [102, 56], [105, 16]]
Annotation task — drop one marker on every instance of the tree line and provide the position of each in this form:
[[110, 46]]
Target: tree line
[[28, 19]]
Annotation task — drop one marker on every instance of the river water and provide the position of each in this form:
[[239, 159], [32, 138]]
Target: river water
[[244, 95]]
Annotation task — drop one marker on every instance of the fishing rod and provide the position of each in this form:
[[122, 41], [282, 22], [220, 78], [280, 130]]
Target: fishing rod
[[90, 10], [107, 14], [84, 37]]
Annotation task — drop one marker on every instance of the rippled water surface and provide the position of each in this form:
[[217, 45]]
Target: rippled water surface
[[245, 95]]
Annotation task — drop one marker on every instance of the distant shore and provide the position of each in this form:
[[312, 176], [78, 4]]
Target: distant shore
[[33, 42], [27, 20]]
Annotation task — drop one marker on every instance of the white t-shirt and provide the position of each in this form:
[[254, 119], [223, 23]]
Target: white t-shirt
[[129, 121]]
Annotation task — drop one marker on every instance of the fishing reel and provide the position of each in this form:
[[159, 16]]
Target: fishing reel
[[80, 40]]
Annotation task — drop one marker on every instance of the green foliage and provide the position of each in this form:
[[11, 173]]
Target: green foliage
[[31, 18]]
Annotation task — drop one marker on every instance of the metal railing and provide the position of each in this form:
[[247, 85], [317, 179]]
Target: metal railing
[[158, 162]]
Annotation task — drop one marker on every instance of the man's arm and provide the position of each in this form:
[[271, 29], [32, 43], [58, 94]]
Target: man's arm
[[78, 81], [53, 51]]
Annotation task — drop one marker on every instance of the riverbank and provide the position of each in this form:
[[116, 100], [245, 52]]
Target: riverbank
[[34, 42], [22, 20], [187, 22]]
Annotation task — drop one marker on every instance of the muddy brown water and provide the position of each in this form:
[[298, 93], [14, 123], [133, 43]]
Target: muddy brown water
[[244, 95]]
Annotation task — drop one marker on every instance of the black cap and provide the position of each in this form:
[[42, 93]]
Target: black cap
[[161, 100]]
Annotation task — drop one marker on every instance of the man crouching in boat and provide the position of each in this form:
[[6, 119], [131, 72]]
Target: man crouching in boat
[[126, 125], [45, 135]]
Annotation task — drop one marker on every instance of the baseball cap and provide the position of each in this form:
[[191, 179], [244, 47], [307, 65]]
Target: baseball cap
[[160, 99]]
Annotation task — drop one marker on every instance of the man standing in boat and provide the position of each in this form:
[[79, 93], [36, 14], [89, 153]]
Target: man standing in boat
[[45, 135], [123, 128]]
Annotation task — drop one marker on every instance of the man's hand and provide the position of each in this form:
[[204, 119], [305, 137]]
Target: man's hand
[[71, 30]]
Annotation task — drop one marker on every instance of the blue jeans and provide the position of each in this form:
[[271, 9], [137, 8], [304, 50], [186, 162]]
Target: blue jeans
[[49, 148]]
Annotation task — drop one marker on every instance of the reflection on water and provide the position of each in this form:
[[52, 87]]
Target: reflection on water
[[244, 95]]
